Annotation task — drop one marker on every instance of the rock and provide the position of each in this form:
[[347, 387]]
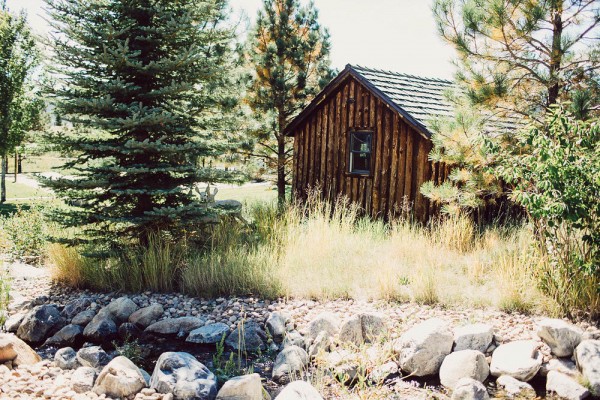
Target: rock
[[325, 321], [561, 336], [93, 356], [520, 359], [299, 390], [83, 379], [473, 337], [181, 326], [208, 334], [39, 323], [120, 378], [463, 364], [183, 376], [565, 387], [146, 316], [563, 366], [128, 331], [13, 322], [275, 325], [362, 328], [246, 387], [122, 308], [252, 340], [344, 365], [373, 325], [13, 349], [351, 331], [321, 343], [83, 318], [101, 328], [469, 389], [422, 348], [383, 372], [515, 389], [66, 358], [68, 335], [291, 360], [294, 338], [587, 357], [76, 306]]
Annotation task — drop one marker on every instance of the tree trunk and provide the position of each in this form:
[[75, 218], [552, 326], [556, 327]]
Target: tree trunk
[[281, 161], [16, 165], [3, 179], [557, 54]]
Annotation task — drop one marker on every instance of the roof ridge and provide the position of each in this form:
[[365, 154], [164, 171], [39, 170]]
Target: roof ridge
[[389, 72]]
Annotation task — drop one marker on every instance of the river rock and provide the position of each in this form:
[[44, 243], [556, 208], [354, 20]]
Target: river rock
[[185, 377], [246, 387], [326, 321], [321, 343], [422, 349], [39, 323], [101, 329], [83, 379], [16, 351], [146, 316], [252, 339], [68, 335], [294, 338], [299, 390], [473, 337], [469, 389], [291, 360], [515, 389], [181, 326], [208, 334], [75, 306], [560, 336], [565, 387], [13, 322], [66, 358], [122, 308], [120, 378], [564, 366], [93, 356], [463, 364], [587, 357], [276, 325], [83, 318], [520, 359]]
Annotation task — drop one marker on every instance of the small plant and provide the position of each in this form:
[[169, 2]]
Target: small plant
[[226, 368], [131, 349], [26, 233], [4, 296]]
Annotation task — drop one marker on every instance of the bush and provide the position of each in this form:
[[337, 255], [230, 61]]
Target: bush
[[26, 233], [4, 296]]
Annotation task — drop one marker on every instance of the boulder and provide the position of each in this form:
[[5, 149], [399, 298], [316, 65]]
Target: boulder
[[514, 389], [362, 328], [146, 316], [383, 372], [249, 337], [40, 323], [275, 325], [299, 390], [181, 326], [291, 360], [344, 365], [208, 334], [587, 357], [473, 337], [350, 331], [463, 364], [13, 322], [128, 331], [294, 338], [520, 359], [83, 379], [120, 378], [122, 308], [422, 349], [183, 376], [66, 358], [83, 318], [101, 328], [373, 325], [565, 387], [469, 389], [68, 335], [560, 336], [16, 351], [246, 387], [93, 356], [561, 365], [325, 321], [321, 343], [76, 306]]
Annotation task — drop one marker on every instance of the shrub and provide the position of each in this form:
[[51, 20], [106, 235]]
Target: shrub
[[4, 296], [26, 233]]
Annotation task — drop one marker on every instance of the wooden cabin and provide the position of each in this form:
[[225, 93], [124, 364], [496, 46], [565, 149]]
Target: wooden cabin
[[366, 136]]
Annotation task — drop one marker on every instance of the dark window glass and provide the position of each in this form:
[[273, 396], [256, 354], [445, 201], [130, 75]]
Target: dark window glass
[[360, 152]]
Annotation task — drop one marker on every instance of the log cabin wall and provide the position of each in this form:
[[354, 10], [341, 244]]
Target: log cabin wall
[[399, 154]]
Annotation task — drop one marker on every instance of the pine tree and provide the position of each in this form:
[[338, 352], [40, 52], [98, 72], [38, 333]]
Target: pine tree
[[289, 55], [145, 86]]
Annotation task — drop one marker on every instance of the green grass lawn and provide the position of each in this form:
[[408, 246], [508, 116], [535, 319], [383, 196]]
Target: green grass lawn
[[21, 191], [248, 194]]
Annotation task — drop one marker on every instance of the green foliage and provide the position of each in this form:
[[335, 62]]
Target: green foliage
[[226, 368], [4, 296], [557, 180], [26, 232], [289, 54], [146, 86], [131, 349]]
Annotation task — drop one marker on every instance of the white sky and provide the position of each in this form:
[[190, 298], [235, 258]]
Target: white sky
[[397, 35]]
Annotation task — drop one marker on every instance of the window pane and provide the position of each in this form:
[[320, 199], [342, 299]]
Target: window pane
[[361, 162], [361, 141]]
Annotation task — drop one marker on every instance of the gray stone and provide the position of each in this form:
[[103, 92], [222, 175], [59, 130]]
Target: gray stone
[[422, 349], [246, 387], [93, 356], [325, 321], [520, 359], [469, 389], [463, 364], [84, 317], [587, 357], [101, 328], [275, 325], [39, 323], [76, 306], [561, 365], [344, 365], [565, 387], [560, 336], [120, 378], [299, 390], [13, 322], [383, 372], [66, 358], [146, 316], [208, 334], [122, 308], [68, 335], [249, 337], [83, 379], [128, 331], [294, 338], [292, 360], [183, 376], [181, 326], [473, 337], [362, 328], [515, 389], [350, 331], [321, 343]]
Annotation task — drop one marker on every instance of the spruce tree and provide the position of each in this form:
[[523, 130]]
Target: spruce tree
[[289, 55], [144, 87]]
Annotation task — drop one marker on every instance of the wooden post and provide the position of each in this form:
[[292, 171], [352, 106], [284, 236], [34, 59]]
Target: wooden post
[[16, 165]]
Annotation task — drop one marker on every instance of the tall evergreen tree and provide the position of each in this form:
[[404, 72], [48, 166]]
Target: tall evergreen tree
[[144, 84], [289, 55]]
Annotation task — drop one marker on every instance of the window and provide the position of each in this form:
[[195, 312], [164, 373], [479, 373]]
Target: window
[[360, 152]]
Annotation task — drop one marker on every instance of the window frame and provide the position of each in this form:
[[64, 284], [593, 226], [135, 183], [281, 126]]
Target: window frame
[[359, 172]]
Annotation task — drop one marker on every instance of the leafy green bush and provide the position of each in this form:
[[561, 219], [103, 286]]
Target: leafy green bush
[[26, 233], [557, 180], [4, 296]]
